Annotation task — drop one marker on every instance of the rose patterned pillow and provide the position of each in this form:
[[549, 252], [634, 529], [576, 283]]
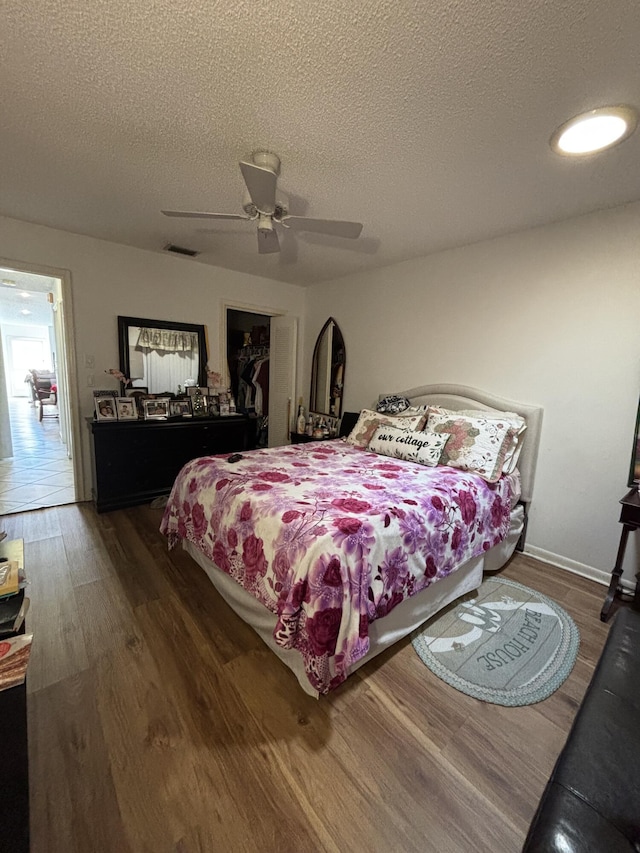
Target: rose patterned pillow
[[479, 445], [422, 447], [369, 421], [512, 419]]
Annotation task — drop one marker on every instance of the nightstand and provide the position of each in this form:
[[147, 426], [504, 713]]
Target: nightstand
[[300, 438]]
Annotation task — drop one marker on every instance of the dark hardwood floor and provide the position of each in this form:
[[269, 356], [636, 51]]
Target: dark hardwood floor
[[159, 723]]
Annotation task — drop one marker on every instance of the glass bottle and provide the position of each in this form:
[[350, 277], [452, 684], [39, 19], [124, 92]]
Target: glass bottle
[[301, 423]]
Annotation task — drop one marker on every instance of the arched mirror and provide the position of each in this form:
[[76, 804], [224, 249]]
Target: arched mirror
[[327, 371]]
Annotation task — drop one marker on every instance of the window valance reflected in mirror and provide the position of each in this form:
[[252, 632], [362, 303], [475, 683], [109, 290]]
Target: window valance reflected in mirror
[[327, 371], [162, 355]]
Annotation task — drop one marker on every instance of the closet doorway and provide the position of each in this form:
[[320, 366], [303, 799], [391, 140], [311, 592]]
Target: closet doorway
[[259, 355], [248, 346], [37, 431]]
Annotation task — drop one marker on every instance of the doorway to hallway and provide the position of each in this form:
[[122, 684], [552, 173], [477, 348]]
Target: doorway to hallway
[[36, 441]]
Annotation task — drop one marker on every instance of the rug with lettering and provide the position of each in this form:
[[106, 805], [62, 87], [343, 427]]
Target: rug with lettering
[[504, 643]]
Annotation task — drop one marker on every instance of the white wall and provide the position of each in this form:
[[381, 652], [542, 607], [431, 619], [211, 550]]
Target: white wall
[[110, 280], [547, 316]]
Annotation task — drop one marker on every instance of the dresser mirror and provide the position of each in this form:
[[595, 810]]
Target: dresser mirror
[[162, 355], [327, 371]]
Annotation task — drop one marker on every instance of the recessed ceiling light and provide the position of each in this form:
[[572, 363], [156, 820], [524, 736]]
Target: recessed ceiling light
[[25, 311], [25, 295], [594, 130], [8, 282]]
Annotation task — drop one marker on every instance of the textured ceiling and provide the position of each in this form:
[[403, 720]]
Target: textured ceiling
[[428, 122], [20, 292]]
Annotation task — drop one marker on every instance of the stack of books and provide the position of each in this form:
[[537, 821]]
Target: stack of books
[[13, 602], [14, 650]]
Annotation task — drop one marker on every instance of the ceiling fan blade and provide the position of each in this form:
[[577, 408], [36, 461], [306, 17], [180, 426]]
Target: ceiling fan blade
[[189, 214], [336, 227], [268, 242], [261, 184]]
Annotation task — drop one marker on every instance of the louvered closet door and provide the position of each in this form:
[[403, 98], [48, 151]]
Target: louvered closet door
[[282, 378]]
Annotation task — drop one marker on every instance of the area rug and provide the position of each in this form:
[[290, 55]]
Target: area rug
[[505, 644]]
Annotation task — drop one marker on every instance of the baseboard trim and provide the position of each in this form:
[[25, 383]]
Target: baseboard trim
[[576, 568]]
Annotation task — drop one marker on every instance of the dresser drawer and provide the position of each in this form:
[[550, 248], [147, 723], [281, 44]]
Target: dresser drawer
[[135, 461]]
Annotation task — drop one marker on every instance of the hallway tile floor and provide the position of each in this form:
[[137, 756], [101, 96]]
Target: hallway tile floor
[[39, 474]]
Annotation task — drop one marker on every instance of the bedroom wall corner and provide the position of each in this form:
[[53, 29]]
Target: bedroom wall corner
[[545, 316]]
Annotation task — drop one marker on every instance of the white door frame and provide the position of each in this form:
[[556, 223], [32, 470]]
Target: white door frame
[[67, 363]]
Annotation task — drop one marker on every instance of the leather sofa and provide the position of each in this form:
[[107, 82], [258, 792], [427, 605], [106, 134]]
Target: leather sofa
[[592, 800]]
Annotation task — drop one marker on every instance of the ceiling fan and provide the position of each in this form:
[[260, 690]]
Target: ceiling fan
[[264, 204]]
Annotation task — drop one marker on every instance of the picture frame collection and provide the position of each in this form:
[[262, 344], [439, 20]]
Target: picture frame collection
[[137, 404]]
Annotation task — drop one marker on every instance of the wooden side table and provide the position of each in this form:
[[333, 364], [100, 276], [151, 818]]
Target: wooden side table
[[630, 519]]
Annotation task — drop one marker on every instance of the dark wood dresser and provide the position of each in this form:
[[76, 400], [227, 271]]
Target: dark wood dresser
[[137, 461]]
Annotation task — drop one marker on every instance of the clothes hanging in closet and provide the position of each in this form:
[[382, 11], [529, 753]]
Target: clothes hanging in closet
[[252, 374]]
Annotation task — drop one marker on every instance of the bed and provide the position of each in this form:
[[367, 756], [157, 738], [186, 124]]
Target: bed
[[332, 552]]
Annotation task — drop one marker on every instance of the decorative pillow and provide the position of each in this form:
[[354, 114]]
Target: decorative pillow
[[479, 445], [368, 421], [422, 447], [512, 419], [392, 404], [413, 410]]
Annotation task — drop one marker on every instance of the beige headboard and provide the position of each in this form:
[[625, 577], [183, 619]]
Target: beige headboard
[[458, 397]]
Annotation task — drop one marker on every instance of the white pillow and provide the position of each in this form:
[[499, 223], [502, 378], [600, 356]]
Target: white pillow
[[368, 421], [515, 421], [479, 445], [422, 447]]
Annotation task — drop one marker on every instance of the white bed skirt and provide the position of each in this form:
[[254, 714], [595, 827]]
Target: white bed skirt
[[384, 632]]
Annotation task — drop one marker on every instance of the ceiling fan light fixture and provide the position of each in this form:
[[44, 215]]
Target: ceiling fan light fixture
[[267, 160], [595, 130], [266, 204]]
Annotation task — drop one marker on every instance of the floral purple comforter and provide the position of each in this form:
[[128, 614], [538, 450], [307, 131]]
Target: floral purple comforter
[[330, 537]]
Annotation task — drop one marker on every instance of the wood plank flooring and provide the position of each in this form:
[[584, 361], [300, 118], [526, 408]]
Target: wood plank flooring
[[160, 723]]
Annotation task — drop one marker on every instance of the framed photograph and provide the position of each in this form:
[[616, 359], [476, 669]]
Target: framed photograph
[[193, 389], [106, 408], [180, 408], [134, 392], [200, 406], [155, 410], [126, 408]]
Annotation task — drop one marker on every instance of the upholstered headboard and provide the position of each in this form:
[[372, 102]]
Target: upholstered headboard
[[458, 397]]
